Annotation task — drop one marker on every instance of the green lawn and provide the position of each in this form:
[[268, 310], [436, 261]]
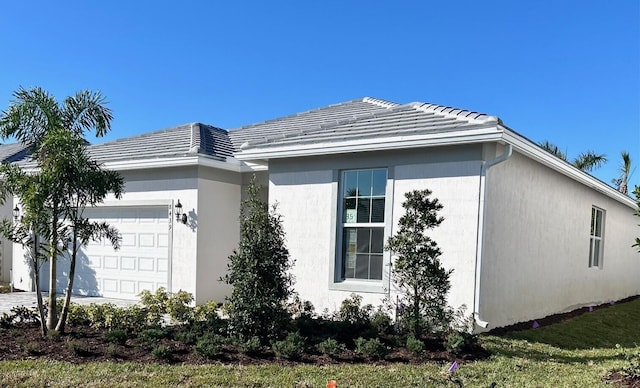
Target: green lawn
[[577, 353]]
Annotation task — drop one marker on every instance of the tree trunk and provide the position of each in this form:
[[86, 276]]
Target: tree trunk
[[53, 250], [36, 276], [62, 321]]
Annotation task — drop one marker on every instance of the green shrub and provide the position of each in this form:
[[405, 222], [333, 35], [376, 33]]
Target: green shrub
[[292, 347], [162, 352], [151, 336], [331, 347], [53, 335], [78, 315], [371, 348], [210, 345], [77, 347], [352, 312], [204, 311], [155, 305], [32, 348], [250, 346], [460, 341], [381, 322], [112, 351], [415, 345], [178, 307], [6, 320], [25, 314], [259, 273], [188, 337], [116, 336]]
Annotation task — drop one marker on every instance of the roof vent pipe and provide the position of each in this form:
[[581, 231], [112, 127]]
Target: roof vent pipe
[[481, 225]]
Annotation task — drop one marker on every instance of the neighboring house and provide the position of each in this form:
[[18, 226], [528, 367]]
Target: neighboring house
[[526, 233]]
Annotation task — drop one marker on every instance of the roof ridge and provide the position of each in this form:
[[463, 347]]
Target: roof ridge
[[456, 113], [380, 102]]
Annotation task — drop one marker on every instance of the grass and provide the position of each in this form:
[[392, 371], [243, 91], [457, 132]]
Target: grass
[[575, 353]]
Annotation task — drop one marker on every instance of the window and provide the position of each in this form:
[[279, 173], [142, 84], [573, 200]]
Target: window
[[362, 223], [596, 242]]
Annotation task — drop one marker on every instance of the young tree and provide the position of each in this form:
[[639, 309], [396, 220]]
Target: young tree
[[417, 271], [258, 272], [54, 131]]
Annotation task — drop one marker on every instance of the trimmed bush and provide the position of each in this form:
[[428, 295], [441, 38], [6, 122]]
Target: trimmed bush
[[250, 346], [371, 348], [415, 345], [179, 309], [162, 352], [210, 345], [116, 336], [331, 347], [292, 347], [77, 347]]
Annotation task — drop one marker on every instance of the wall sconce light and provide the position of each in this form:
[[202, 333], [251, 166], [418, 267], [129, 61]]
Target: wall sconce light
[[180, 216], [16, 213]]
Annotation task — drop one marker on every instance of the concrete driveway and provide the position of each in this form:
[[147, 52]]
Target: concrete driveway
[[28, 299]]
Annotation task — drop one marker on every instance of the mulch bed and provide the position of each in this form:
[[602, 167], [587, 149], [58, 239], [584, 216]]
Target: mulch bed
[[24, 341]]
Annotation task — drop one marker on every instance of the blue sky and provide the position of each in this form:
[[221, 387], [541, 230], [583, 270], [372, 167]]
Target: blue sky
[[564, 71]]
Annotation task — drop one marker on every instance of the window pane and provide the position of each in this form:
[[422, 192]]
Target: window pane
[[349, 184], [596, 252], [375, 267], [364, 205], [379, 182], [349, 245], [598, 223], [364, 183], [377, 210], [349, 213], [593, 219], [362, 266], [364, 240], [377, 240], [591, 252]]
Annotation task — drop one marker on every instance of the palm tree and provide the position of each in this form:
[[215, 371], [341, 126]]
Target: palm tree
[[622, 181], [31, 118], [586, 161]]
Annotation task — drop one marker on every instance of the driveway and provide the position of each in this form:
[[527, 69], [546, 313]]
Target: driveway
[[28, 299]]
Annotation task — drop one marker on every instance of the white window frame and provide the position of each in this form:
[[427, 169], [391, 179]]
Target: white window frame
[[596, 241], [337, 282]]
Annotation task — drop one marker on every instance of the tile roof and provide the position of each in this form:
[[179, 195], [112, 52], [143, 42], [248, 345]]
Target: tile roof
[[13, 152], [307, 121], [187, 139], [357, 119]]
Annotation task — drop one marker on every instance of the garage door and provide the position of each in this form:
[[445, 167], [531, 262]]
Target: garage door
[[142, 262]]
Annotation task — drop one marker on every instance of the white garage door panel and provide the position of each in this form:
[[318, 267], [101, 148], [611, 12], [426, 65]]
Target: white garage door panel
[[142, 262]]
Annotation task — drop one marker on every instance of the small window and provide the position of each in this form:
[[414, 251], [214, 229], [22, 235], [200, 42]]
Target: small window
[[362, 223], [596, 242]]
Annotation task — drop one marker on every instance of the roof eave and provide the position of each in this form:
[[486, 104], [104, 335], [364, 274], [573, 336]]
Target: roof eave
[[492, 133]]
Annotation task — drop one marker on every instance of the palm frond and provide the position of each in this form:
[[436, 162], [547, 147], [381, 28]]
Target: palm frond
[[589, 160], [552, 149]]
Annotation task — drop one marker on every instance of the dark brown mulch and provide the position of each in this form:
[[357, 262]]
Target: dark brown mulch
[[24, 341], [555, 318], [621, 380]]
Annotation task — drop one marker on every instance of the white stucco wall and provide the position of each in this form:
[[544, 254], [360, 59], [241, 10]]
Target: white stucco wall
[[306, 190], [199, 249], [536, 246]]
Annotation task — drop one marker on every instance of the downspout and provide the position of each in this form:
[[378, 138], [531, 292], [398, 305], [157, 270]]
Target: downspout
[[481, 224]]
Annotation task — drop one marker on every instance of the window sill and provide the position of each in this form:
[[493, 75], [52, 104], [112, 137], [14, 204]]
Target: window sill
[[358, 286]]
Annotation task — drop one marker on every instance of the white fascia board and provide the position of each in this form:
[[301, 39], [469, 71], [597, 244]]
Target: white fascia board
[[375, 144], [534, 152], [179, 161]]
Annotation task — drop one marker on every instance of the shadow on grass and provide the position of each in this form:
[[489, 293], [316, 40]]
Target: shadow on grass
[[604, 328]]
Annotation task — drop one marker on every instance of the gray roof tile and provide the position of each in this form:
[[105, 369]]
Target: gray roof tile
[[187, 139], [13, 152], [358, 119]]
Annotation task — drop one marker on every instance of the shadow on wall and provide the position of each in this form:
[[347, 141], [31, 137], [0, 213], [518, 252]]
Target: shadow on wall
[[85, 282]]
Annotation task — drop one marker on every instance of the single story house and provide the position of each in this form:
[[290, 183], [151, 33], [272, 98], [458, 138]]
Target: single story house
[[526, 233]]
